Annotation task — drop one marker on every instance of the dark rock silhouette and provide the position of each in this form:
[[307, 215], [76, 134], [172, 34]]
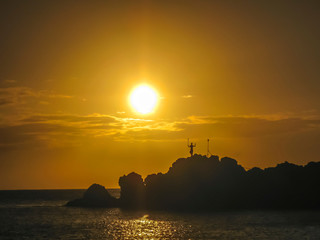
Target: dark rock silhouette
[[194, 183], [199, 183], [132, 193], [95, 196]]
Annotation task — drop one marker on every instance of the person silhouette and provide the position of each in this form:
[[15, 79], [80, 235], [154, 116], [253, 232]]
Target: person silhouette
[[191, 146]]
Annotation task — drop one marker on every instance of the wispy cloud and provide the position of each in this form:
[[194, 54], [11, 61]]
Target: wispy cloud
[[187, 96], [43, 127], [10, 81], [249, 126], [19, 95]]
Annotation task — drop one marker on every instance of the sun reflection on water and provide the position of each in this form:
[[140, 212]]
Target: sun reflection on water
[[145, 227], [141, 228]]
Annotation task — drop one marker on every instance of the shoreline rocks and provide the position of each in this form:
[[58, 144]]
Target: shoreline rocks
[[199, 183]]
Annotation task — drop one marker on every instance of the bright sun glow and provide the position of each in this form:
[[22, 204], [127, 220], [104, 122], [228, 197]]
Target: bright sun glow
[[143, 99]]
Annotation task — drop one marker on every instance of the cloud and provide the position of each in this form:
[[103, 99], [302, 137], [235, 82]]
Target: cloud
[[53, 130], [4, 101], [15, 95], [187, 96], [20, 95], [44, 103], [10, 81], [248, 126], [43, 127], [69, 129]]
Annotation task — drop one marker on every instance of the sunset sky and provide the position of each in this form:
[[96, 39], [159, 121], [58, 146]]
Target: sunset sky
[[243, 73]]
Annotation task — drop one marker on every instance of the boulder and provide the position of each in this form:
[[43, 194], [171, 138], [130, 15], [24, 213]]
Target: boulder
[[95, 196]]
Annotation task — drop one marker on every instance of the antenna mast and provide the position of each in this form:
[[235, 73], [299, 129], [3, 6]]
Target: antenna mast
[[208, 150]]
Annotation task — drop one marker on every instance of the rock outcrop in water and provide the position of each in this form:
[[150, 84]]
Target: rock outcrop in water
[[132, 194], [95, 196], [199, 183]]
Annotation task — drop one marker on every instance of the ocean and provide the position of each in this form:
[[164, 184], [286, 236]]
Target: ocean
[[40, 214]]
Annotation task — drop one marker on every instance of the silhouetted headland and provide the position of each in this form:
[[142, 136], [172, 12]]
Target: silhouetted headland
[[199, 183]]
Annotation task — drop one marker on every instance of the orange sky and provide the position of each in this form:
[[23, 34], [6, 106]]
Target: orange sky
[[245, 74]]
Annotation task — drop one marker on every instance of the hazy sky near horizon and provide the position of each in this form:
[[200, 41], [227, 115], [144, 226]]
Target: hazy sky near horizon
[[242, 73]]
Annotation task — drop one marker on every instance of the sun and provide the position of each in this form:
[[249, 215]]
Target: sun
[[143, 99]]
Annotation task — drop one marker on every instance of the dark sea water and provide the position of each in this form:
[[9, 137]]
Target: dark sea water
[[40, 214]]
